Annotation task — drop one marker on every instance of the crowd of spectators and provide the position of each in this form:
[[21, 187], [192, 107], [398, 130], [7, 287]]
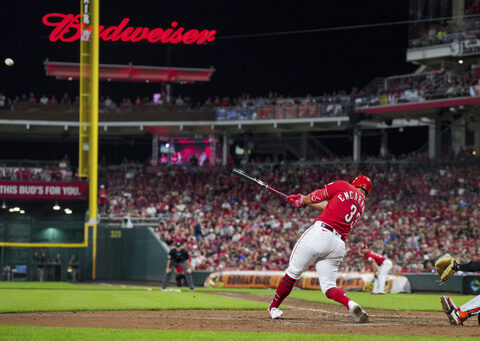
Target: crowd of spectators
[[430, 85], [446, 29], [417, 212], [60, 171], [245, 106], [106, 103], [411, 88], [278, 106], [32, 100]]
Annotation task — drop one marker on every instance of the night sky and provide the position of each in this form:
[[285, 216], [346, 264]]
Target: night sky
[[293, 65]]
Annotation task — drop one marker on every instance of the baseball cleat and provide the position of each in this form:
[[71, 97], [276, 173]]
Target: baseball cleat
[[275, 313], [447, 304], [456, 317], [358, 314]]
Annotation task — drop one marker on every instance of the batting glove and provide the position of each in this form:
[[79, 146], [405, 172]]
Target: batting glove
[[296, 200]]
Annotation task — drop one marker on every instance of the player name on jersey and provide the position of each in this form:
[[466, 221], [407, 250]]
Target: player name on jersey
[[353, 195]]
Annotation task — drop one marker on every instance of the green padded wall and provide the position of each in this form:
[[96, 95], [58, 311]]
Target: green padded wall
[[130, 255]]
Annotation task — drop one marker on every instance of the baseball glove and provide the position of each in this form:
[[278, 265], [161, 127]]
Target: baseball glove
[[446, 268]]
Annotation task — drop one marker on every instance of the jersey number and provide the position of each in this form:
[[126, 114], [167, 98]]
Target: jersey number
[[349, 217]]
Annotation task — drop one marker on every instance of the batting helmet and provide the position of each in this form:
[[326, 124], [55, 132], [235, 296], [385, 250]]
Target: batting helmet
[[363, 182]]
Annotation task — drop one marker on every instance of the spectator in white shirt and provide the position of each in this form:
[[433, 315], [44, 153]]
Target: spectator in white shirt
[[44, 99]]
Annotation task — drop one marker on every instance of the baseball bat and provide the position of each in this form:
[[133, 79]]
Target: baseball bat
[[256, 181]]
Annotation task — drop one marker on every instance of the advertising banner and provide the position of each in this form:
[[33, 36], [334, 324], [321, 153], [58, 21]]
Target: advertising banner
[[350, 281], [43, 190], [471, 285], [467, 47]]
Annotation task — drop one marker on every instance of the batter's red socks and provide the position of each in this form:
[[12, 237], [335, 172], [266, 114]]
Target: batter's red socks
[[338, 295], [283, 290]]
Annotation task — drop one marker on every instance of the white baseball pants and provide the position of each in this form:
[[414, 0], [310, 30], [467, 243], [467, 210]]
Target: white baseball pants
[[474, 303], [381, 278], [321, 247]]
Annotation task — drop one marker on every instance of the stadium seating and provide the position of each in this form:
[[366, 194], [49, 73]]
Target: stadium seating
[[417, 211], [410, 88]]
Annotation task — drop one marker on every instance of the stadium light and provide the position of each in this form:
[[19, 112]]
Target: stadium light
[[56, 207], [68, 211], [460, 61], [16, 209], [4, 205], [22, 211], [10, 210]]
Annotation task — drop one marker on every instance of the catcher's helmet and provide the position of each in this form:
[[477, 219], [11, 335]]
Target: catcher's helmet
[[363, 182]]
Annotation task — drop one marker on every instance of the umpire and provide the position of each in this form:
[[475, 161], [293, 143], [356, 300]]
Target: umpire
[[178, 257]]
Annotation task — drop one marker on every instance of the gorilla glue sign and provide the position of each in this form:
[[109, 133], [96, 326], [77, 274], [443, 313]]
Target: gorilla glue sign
[[67, 28]]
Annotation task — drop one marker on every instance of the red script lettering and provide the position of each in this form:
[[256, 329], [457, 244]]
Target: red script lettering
[[68, 28]]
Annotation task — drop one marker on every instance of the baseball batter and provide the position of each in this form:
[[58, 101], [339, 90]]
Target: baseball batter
[[458, 315], [381, 266], [323, 244]]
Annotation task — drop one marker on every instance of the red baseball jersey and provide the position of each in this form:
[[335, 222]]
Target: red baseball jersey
[[345, 208], [373, 256]]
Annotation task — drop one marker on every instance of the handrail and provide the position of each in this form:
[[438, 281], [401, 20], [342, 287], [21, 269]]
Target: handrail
[[29, 163]]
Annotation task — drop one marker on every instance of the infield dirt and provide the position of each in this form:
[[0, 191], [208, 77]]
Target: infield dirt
[[303, 317]]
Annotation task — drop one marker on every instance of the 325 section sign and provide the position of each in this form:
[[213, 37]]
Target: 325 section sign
[[43, 190]]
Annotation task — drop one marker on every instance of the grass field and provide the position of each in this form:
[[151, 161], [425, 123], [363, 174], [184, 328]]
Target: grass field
[[54, 296], [58, 296], [54, 333], [43, 297]]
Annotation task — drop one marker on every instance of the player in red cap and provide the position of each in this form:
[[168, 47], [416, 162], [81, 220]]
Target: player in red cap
[[323, 244], [381, 266]]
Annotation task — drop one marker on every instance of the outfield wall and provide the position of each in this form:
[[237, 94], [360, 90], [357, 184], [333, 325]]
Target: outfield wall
[[122, 254], [468, 284], [39, 227], [135, 254], [138, 254], [349, 281], [430, 282]]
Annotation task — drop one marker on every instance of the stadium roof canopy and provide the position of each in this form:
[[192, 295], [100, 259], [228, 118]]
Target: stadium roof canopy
[[131, 73]]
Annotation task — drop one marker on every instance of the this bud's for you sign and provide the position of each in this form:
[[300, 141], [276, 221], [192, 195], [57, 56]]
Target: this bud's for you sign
[[43, 190]]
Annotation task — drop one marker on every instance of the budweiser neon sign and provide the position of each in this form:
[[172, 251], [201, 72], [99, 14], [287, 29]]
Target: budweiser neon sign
[[68, 28]]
